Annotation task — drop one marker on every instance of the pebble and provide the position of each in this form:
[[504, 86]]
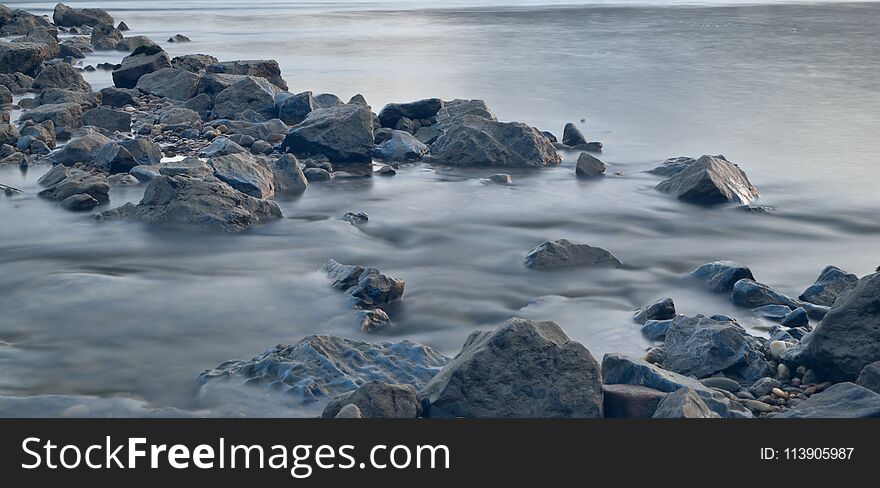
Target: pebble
[[777, 348], [722, 383], [810, 390], [783, 372], [795, 382], [779, 393]]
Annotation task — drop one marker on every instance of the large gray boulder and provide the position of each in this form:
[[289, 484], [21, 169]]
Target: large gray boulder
[[289, 177], [400, 146], [522, 369], [131, 43], [619, 369], [61, 75], [378, 400], [67, 115], [848, 338], [421, 109], [65, 16], [108, 118], [720, 276], [173, 83], [205, 202], [344, 134], [21, 22], [683, 403], [124, 155], [262, 68], [79, 183], [193, 62], [843, 400], [588, 166], [16, 82], [106, 37], [117, 97], [242, 172], [180, 117], [82, 149], [368, 286], [566, 254], [249, 93], [25, 57], [710, 180], [139, 63], [831, 282], [54, 96], [294, 108], [749, 293], [477, 141], [321, 367]]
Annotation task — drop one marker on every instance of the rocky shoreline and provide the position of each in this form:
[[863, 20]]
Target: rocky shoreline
[[213, 142]]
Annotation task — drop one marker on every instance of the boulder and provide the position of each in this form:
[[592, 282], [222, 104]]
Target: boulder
[[749, 293], [372, 321], [843, 400], [55, 96], [25, 57], [870, 377], [82, 149], [378, 400], [349, 411], [321, 367], [274, 131], [117, 97], [720, 276], [221, 146], [67, 115], [572, 136], [141, 62], [242, 172], [249, 93], [522, 369], [289, 177], [9, 134], [672, 166], [368, 286], [125, 155], [798, 317], [400, 146], [193, 62], [655, 330], [317, 174], [764, 386], [179, 38], [265, 68], [294, 108], [144, 173], [180, 117], [108, 118], [710, 180], [630, 401], [202, 104], [477, 141], [44, 132], [131, 43], [566, 254], [20, 22], [81, 202], [192, 167], [106, 37], [660, 310], [327, 100], [700, 346], [16, 82], [173, 83], [683, 403], [77, 183], [588, 165], [65, 16], [421, 109], [61, 75], [831, 282], [344, 134], [848, 338], [619, 369], [205, 202]]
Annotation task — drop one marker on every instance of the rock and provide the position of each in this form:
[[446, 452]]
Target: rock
[[848, 338], [67, 115], [572, 136], [589, 166], [378, 400], [843, 400], [242, 172], [204, 202], [80, 202], [369, 287], [782, 372], [294, 108], [772, 312], [629, 401], [44, 132], [386, 170], [720, 276], [700, 346], [289, 177], [123, 27], [242, 140], [344, 134], [327, 100], [372, 321], [500, 179], [83, 149], [273, 131], [619, 369], [476, 141], [831, 282], [145, 173], [524, 368], [108, 118], [123, 179], [870, 377], [249, 93], [776, 348], [764, 386], [140, 62], [193, 62], [192, 167], [710, 180], [55, 96], [749, 293], [65, 16], [421, 109], [321, 367], [797, 318], [76, 183], [350, 411], [20, 22], [683, 403], [722, 383], [655, 330], [61, 75], [54, 176], [16, 82], [672, 166], [9, 134], [179, 38], [456, 109], [70, 48], [125, 155], [180, 118], [117, 97], [173, 83], [267, 69], [202, 104], [221, 146], [106, 37], [401, 146], [660, 310], [24, 57], [566, 254], [131, 43]]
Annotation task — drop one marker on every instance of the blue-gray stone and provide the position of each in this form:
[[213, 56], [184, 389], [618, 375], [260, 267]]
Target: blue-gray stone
[[843, 400], [720, 276], [831, 283], [655, 330], [660, 310], [797, 318]]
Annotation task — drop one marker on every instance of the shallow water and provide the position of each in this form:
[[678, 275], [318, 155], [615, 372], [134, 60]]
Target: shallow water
[[791, 93]]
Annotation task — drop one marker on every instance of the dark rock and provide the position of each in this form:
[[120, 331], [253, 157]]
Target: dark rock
[[180, 118], [672, 166], [44, 131], [566, 254], [722, 383], [16, 82], [135, 42], [56, 96], [369, 287], [144, 173], [25, 57], [106, 37], [117, 97], [749, 293], [317, 174], [327, 100], [870, 377], [522, 369], [476, 141], [179, 38], [372, 321], [400, 146], [9, 134], [202, 104], [20, 22], [141, 62], [67, 115], [500, 179], [192, 167], [54, 176], [549, 135], [797, 318], [386, 171], [193, 62], [80, 202], [108, 118], [630, 401], [267, 69], [65, 16], [831, 282], [683, 403], [720, 276], [221, 146], [655, 330], [589, 166], [843, 400], [289, 177], [173, 83], [710, 180], [61, 75], [249, 93], [273, 131], [349, 411], [378, 400], [660, 310], [123, 179], [293, 108], [764, 386], [344, 134], [357, 218], [79, 182], [421, 109], [242, 172], [572, 136], [125, 155], [772, 312]]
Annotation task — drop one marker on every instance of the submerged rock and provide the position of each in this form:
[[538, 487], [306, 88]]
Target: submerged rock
[[372, 321], [683, 403], [843, 400], [79, 183], [523, 369], [720, 276], [566, 254], [710, 180], [378, 400], [321, 367], [80, 202], [831, 282], [369, 287], [344, 134], [672, 166]]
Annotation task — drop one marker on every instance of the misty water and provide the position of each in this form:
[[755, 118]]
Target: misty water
[[791, 93]]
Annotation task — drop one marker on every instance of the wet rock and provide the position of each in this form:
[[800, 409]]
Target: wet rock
[[61, 75], [378, 400], [700, 346], [321, 367], [80, 202], [201, 202], [16, 82], [131, 43], [848, 338], [672, 166], [710, 180], [476, 141], [400, 146], [344, 134], [500, 179], [123, 179], [140, 62], [386, 171], [630, 401], [317, 174], [67, 115], [266, 68], [144, 173], [193, 62], [54, 176], [173, 83], [355, 218], [65, 16], [55, 96], [566, 254], [221, 146], [797, 318], [655, 330], [125, 155], [249, 93], [179, 38], [524, 368], [720, 276], [421, 109], [350, 411], [772, 312], [619, 369], [572, 136], [843, 400], [722, 383], [870, 377], [749, 293], [192, 167], [368, 286], [273, 131], [44, 132], [683, 403], [123, 26], [20, 22], [117, 97], [294, 108], [108, 118], [372, 321], [83, 149], [76, 183], [289, 177], [106, 37], [327, 100], [660, 310], [831, 282], [25, 57], [589, 166], [242, 172]]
